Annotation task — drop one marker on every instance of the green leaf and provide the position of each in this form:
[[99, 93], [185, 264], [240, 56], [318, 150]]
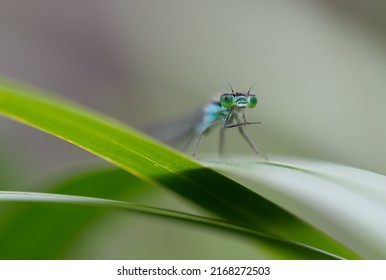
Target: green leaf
[[347, 203], [158, 164], [294, 249]]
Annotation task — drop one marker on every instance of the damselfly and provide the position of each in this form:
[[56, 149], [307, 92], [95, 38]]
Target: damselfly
[[227, 111]]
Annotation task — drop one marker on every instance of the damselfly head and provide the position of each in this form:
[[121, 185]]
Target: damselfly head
[[238, 100]]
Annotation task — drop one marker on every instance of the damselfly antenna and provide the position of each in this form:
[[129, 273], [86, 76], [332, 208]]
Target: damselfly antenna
[[231, 87], [249, 90]]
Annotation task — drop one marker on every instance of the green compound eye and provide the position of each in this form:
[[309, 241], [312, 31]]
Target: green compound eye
[[252, 101], [227, 100]]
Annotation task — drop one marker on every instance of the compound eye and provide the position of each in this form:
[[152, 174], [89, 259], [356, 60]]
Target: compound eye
[[252, 101], [227, 100]]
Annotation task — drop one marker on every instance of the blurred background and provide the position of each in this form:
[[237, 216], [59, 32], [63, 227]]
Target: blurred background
[[319, 68]]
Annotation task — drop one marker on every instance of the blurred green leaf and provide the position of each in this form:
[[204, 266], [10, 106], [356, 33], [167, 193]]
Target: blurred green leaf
[[41, 231], [293, 249]]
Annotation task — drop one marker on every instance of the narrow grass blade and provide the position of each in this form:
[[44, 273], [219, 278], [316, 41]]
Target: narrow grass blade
[[294, 249]]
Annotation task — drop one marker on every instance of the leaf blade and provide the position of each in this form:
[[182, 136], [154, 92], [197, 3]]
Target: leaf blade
[[347, 203], [296, 249], [157, 164]]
